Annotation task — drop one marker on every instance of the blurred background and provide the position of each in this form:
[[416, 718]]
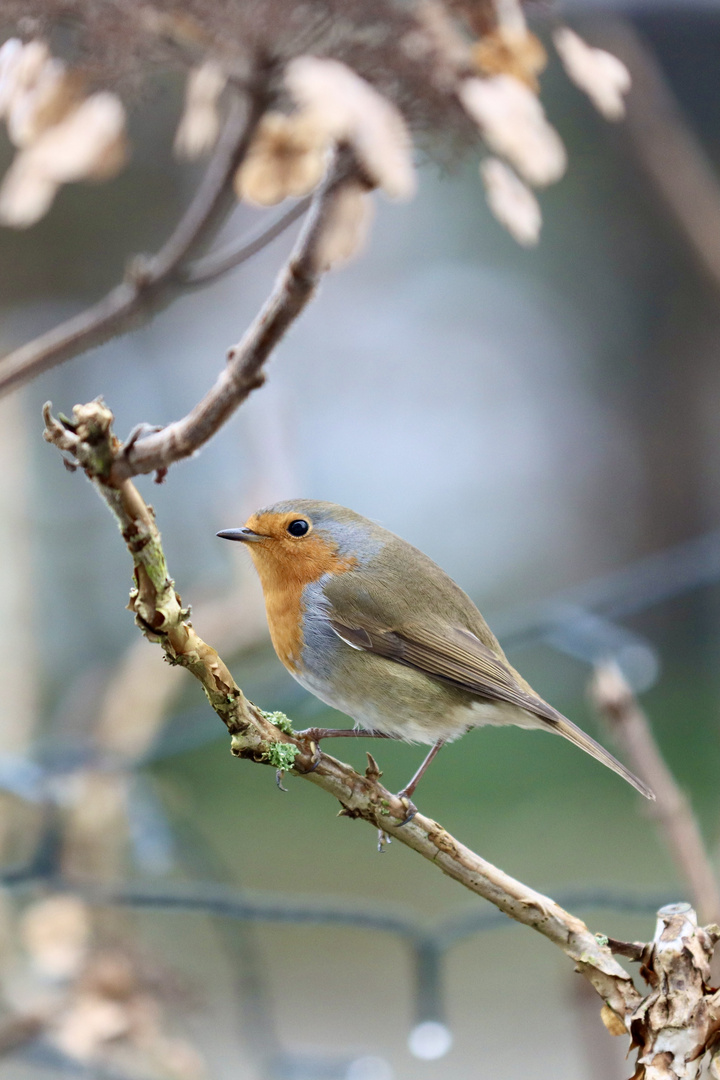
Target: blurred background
[[544, 424]]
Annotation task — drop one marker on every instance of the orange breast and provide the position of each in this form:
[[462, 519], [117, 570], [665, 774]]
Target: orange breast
[[284, 573]]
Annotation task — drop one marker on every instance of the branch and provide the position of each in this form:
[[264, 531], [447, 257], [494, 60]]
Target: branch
[[618, 705], [208, 269], [295, 287], [159, 614], [149, 282]]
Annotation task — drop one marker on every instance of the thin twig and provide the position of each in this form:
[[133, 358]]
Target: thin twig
[[88, 436], [295, 287], [150, 283], [216, 263], [616, 702]]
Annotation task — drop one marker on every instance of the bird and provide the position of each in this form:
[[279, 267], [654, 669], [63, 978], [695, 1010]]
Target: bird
[[374, 628]]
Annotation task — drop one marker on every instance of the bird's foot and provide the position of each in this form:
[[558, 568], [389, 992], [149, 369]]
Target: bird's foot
[[311, 749], [409, 806], [311, 738], [383, 840], [279, 779]]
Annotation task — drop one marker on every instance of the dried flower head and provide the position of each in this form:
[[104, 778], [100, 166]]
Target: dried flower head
[[36, 107], [56, 933], [603, 77], [512, 202], [348, 109], [511, 52], [200, 124], [286, 159], [346, 225], [436, 42], [513, 124], [88, 144], [89, 1024]]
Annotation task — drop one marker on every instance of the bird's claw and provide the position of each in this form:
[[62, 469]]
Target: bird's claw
[[410, 809], [316, 756], [279, 779]]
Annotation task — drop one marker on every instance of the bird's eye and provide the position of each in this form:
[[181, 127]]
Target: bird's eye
[[298, 527]]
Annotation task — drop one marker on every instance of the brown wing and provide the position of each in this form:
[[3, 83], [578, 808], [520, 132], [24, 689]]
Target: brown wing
[[454, 655], [457, 657]]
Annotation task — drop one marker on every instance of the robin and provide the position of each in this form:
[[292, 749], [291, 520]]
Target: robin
[[374, 628]]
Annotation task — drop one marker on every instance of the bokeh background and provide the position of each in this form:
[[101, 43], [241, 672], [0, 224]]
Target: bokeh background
[[534, 421]]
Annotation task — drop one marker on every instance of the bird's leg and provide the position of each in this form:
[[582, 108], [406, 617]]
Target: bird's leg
[[313, 735], [407, 791]]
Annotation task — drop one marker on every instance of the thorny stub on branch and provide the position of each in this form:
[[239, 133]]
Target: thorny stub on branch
[[318, 74]]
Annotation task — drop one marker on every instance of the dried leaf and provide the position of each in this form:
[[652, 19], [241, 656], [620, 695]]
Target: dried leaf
[[37, 107], [602, 76], [56, 933], [512, 202], [612, 1021], [90, 1023], [88, 144], [287, 157], [513, 124], [346, 226], [348, 109], [511, 52], [200, 124]]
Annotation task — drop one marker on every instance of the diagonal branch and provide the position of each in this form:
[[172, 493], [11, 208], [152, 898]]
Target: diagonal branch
[[89, 439], [212, 266], [150, 283], [295, 287], [617, 704]]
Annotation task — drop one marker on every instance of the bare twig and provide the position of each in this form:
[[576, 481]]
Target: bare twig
[[211, 267], [150, 282], [294, 289], [618, 705], [162, 618]]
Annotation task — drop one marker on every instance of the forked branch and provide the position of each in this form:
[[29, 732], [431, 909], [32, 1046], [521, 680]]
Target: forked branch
[[150, 282]]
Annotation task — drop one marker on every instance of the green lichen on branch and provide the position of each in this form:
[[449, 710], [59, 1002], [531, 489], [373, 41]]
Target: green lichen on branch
[[280, 720], [281, 755]]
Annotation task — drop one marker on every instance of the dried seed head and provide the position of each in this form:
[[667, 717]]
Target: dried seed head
[[56, 933], [39, 106], [287, 157], [89, 1025], [200, 124], [512, 202], [348, 109], [346, 226], [603, 77], [88, 144], [513, 124], [511, 52]]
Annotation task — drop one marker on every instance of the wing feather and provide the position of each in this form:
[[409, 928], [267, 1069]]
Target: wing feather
[[454, 655]]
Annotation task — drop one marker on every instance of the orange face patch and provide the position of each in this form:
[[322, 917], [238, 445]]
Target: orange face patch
[[285, 565]]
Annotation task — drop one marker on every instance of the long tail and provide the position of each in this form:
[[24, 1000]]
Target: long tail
[[563, 726]]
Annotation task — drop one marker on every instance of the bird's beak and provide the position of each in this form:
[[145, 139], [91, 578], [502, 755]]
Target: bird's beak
[[241, 534]]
